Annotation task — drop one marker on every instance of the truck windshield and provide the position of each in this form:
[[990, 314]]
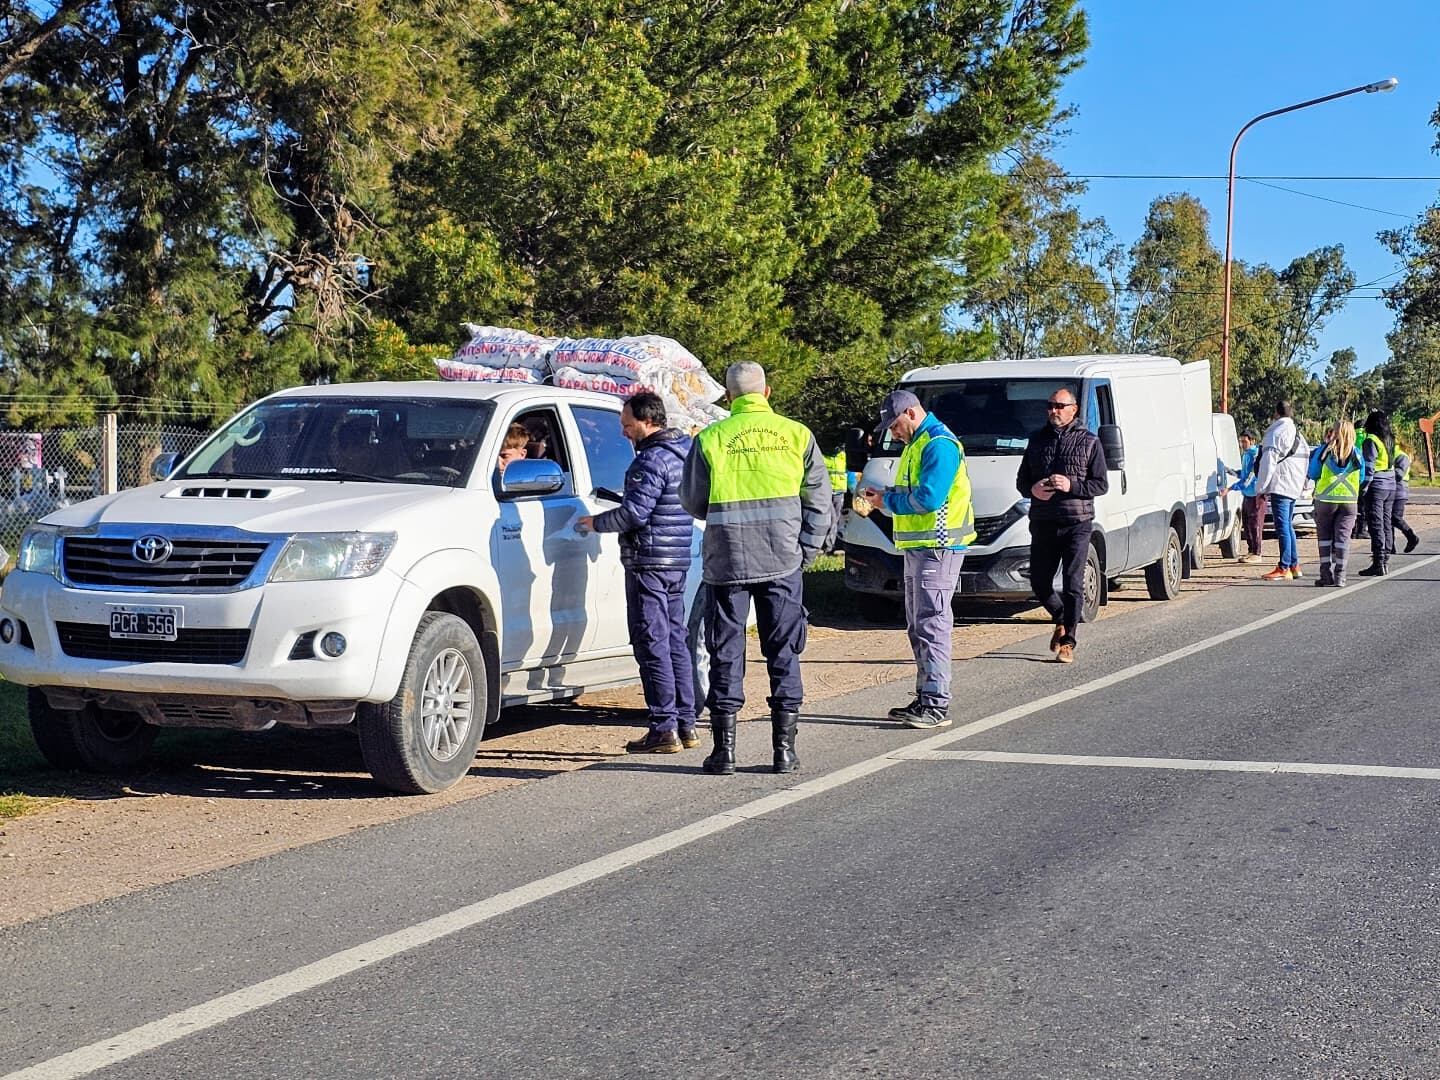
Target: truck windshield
[[383, 440], [992, 417]]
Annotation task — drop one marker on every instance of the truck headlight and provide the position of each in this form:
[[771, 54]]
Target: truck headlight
[[38, 550], [328, 556]]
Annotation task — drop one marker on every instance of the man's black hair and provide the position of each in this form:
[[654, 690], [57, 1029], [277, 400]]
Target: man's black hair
[[1284, 408], [647, 407]]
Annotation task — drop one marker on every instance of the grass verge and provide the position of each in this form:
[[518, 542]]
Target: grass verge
[[19, 760]]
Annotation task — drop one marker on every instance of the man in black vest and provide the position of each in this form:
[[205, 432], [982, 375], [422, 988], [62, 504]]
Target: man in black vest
[[1062, 473]]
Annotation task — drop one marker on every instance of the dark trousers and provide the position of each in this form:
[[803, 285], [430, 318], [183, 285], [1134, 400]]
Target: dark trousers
[[1252, 522], [1063, 547], [655, 611], [780, 611], [1378, 506], [1397, 516], [1333, 522], [837, 511]]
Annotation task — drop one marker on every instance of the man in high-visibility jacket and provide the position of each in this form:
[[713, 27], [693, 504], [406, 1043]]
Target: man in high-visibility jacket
[[759, 483], [933, 524]]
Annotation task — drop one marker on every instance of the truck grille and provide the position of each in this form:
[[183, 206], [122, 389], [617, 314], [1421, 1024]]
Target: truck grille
[[193, 564], [987, 528], [92, 641]]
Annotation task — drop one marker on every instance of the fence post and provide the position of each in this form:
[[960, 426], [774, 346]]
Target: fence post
[[109, 454]]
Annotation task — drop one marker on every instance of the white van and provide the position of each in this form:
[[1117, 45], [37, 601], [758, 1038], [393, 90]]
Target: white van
[[1153, 417]]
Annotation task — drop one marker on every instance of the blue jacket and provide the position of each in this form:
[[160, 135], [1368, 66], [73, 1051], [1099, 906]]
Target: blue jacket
[[655, 531], [938, 466], [1246, 474]]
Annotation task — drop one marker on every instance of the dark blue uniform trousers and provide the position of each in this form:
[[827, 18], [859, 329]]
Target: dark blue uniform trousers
[[780, 612], [655, 610]]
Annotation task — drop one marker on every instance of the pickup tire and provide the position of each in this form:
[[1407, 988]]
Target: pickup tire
[[1162, 578], [91, 739], [423, 739]]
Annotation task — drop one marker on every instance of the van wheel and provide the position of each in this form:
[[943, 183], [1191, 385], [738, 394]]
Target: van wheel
[[92, 738], [1162, 578], [1094, 578], [1197, 550], [423, 739], [1230, 546]]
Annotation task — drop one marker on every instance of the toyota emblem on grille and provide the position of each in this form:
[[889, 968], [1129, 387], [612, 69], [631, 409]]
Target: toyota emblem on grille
[[152, 549]]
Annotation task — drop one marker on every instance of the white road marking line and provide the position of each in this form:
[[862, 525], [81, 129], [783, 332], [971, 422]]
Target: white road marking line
[[208, 1014], [1316, 768]]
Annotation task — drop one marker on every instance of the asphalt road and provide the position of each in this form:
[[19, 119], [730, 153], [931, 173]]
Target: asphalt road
[[1172, 858]]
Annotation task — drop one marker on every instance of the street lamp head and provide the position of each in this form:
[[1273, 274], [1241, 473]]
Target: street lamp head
[[1384, 86]]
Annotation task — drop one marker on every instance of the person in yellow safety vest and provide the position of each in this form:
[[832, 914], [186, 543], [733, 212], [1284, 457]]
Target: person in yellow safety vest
[[1339, 473], [933, 525], [759, 483], [1378, 452], [839, 486]]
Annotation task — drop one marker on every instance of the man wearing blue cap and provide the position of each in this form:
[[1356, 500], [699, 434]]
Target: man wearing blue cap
[[933, 524]]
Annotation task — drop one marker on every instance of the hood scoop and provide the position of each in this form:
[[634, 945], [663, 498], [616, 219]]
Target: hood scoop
[[228, 491]]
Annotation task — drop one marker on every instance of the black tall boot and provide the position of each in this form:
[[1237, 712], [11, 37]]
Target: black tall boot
[[721, 761], [782, 734]]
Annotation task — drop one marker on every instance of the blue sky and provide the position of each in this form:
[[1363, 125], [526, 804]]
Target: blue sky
[[1166, 85]]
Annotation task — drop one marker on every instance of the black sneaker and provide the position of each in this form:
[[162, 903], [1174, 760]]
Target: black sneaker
[[655, 742], [903, 713], [689, 737], [927, 718]]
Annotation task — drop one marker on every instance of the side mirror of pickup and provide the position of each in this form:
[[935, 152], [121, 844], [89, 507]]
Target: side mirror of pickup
[[530, 476], [163, 466], [1113, 443]]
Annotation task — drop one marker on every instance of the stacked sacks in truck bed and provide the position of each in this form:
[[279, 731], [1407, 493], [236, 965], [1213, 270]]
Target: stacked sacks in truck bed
[[620, 367], [499, 354], [626, 366]]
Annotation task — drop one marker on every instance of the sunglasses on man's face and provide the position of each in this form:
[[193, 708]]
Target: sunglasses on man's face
[[1056, 406]]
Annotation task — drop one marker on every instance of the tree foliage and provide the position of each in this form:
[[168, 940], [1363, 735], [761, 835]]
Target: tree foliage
[[191, 192]]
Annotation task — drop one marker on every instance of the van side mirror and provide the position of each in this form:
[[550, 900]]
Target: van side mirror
[[1113, 443], [856, 450]]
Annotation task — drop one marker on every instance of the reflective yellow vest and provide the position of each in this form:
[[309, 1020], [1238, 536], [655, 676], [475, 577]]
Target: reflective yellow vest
[[1382, 456], [953, 524], [757, 462], [835, 465], [1339, 485]]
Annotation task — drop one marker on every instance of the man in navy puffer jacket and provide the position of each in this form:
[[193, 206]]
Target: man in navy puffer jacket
[[655, 539]]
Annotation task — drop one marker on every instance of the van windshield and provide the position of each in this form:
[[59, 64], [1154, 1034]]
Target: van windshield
[[992, 417], [381, 440]]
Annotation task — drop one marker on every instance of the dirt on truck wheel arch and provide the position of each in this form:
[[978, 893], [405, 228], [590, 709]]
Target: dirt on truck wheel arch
[[210, 800]]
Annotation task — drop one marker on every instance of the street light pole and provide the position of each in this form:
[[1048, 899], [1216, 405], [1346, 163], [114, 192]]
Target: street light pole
[[1383, 86]]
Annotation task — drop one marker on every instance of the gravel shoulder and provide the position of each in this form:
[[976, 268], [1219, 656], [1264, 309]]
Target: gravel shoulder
[[246, 796]]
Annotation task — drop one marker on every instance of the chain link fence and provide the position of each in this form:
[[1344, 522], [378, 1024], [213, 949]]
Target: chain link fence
[[44, 471]]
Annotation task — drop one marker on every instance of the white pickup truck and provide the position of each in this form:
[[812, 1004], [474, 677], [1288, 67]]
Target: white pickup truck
[[332, 555]]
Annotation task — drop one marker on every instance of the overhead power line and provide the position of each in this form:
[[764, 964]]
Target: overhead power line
[[1223, 176]]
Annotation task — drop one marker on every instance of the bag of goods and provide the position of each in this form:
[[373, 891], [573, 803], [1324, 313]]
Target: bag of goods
[[634, 357], [503, 347], [452, 370], [600, 383], [687, 389]]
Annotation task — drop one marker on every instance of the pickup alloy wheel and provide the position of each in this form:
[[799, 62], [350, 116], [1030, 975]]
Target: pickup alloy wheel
[[423, 739]]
